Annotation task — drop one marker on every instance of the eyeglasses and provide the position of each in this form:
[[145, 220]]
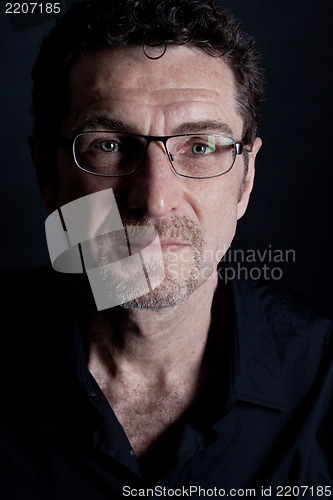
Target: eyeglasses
[[114, 154]]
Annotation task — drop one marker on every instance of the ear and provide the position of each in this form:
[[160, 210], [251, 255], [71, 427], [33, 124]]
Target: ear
[[44, 171], [249, 179]]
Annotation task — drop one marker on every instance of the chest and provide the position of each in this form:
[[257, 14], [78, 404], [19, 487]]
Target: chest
[[147, 416]]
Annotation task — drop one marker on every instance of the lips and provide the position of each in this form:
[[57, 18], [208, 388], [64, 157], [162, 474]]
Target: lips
[[173, 243], [173, 234], [157, 244]]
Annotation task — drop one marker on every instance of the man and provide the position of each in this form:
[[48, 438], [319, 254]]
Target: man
[[133, 369]]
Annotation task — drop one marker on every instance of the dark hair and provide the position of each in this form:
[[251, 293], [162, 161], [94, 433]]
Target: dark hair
[[93, 24]]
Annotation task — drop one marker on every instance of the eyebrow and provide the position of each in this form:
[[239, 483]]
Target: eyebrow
[[204, 126], [91, 123]]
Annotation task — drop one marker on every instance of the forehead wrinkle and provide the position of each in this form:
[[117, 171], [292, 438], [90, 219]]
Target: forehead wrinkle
[[169, 102], [155, 95]]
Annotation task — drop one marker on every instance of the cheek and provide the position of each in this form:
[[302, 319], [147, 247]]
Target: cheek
[[223, 230], [73, 183], [219, 219]]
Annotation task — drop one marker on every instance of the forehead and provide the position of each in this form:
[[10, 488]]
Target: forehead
[[184, 84]]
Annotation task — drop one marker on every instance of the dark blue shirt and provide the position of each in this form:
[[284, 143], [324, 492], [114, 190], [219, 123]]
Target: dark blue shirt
[[263, 426]]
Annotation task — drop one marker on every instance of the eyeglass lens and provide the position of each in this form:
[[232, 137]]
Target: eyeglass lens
[[114, 154]]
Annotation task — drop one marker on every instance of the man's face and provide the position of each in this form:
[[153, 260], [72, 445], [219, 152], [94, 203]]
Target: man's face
[[185, 91]]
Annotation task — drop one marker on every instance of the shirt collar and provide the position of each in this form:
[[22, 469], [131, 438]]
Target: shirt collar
[[256, 370]]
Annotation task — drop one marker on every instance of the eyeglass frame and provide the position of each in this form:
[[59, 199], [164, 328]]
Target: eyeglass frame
[[70, 143]]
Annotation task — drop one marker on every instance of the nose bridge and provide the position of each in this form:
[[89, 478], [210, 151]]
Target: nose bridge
[[161, 164], [156, 188], [156, 138]]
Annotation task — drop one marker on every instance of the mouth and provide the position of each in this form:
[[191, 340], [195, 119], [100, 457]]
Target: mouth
[[158, 245]]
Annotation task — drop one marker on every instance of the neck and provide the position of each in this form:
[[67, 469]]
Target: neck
[[163, 341], [152, 364]]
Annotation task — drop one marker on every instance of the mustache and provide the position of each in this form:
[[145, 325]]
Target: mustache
[[179, 228], [112, 246]]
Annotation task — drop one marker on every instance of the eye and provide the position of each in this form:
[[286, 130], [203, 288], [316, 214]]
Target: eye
[[109, 146], [202, 149]]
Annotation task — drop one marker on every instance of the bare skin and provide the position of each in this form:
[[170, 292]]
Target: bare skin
[[151, 362], [154, 370]]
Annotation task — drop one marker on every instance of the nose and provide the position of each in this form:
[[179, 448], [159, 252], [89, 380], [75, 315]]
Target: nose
[[155, 189]]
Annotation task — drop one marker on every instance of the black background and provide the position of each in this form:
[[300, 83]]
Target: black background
[[292, 204]]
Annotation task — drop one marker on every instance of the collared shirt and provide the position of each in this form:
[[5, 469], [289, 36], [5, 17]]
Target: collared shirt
[[263, 428]]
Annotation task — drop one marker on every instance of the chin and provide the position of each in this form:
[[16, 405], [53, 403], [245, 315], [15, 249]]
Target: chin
[[170, 293]]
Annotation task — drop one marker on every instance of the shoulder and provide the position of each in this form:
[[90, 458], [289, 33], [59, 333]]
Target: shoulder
[[282, 328], [36, 290], [12, 277], [27, 289], [285, 308], [298, 328], [291, 311]]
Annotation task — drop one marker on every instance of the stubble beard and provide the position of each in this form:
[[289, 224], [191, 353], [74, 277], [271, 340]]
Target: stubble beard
[[182, 270], [173, 291]]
